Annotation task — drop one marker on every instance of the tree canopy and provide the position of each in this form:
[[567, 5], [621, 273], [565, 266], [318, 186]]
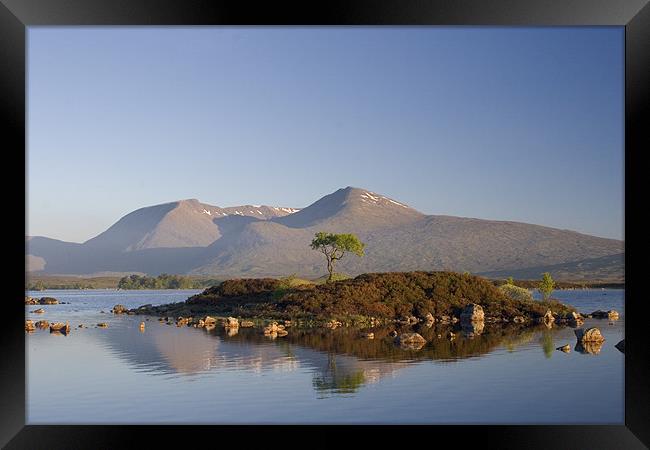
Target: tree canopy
[[335, 246], [546, 285]]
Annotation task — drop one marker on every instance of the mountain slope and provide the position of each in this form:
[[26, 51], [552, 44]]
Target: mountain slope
[[192, 237]]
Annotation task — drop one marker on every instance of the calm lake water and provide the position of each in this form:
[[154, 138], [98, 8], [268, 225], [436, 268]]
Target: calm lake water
[[181, 375]]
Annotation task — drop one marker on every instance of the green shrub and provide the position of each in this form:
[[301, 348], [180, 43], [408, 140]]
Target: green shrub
[[516, 293]]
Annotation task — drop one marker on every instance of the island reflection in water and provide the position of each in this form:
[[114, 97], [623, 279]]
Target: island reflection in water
[[341, 359]]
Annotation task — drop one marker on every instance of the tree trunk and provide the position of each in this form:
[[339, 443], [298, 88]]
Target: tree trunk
[[330, 269]]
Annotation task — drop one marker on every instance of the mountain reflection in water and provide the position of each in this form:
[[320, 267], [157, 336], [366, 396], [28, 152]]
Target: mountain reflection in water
[[341, 360]]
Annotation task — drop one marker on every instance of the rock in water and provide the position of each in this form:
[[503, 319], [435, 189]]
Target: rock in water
[[42, 324], [411, 338], [548, 318], [621, 346], [102, 325], [247, 324], [48, 301], [207, 320], [119, 309], [231, 322], [60, 327], [368, 335], [39, 311], [612, 314], [589, 335], [565, 348], [29, 325], [411, 341], [472, 313]]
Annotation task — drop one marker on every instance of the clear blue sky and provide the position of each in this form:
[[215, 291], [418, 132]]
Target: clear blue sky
[[521, 124]]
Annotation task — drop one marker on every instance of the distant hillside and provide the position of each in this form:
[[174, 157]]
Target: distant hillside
[[188, 236], [605, 269]]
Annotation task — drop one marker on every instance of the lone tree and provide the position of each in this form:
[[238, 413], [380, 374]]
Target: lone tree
[[334, 246], [546, 286]]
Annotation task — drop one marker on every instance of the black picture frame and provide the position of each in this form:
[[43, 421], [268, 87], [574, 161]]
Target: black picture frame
[[634, 15]]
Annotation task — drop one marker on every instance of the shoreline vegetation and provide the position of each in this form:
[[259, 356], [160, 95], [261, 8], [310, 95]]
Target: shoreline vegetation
[[63, 282]]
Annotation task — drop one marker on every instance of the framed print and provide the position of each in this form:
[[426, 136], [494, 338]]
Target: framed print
[[361, 217]]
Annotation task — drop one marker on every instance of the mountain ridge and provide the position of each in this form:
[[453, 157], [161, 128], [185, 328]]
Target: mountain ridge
[[188, 236]]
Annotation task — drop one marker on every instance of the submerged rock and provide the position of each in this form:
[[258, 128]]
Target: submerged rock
[[38, 311], [102, 325]]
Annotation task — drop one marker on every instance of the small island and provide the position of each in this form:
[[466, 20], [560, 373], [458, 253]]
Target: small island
[[366, 300]]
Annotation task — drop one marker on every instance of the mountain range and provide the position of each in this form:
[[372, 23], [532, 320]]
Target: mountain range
[[191, 237]]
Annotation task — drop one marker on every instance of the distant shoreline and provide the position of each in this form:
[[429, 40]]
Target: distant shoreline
[[68, 283]]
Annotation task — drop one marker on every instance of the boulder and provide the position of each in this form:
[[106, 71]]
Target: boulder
[[248, 324], [60, 327], [408, 338], [575, 319], [472, 313], [42, 324], [282, 333], [272, 328], [102, 325], [589, 335], [30, 300], [29, 325], [119, 309], [548, 317], [48, 301], [231, 322], [207, 320], [565, 348], [611, 314], [621, 346], [39, 311]]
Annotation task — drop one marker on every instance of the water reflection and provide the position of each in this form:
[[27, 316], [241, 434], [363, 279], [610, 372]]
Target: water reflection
[[340, 360]]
